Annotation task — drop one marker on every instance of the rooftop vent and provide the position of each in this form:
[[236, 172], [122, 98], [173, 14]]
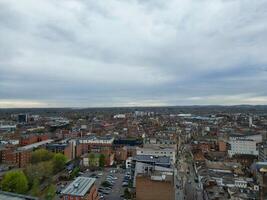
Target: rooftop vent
[[76, 185]]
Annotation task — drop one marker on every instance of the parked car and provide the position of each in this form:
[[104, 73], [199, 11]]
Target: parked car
[[124, 184]]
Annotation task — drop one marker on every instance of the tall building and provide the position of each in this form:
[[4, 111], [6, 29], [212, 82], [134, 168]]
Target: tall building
[[250, 122], [244, 144], [22, 118]]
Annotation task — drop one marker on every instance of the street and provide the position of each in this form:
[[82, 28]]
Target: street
[[186, 187]]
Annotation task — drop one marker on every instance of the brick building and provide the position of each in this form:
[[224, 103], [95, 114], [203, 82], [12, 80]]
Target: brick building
[[99, 145], [222, 146], [82, 188], [64, 148], [70, 148], [20, 157], [154, 188], [32, 138]]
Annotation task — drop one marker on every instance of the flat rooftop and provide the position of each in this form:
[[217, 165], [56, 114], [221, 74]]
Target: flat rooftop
[[79, 187], [152, 159], [14, 196], [34, 145]]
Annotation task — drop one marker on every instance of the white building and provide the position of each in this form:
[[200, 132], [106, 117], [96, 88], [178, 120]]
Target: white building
[[250, 122], [158, 151], [243, 145], [97, 140], [119, 116]]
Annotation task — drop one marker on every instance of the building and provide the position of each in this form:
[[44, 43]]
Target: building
[[121, 154], [99, 145], [244, 145], [91, 141], [63, 148], [155, 187], [158, 151], [14, 196], [22, 118], [222, 146], [8, 156], [160, 141], [82, 188], [153, 177], [7, 127], [19, 157], [263, 152], [32, 138], [261, 174], [70, 148], [250, 122], [97, 140]]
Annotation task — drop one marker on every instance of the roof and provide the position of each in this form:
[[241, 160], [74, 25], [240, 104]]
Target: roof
[[51, 145], [14, 196], [156, 148], [34, 145], [152, 159], [79, 187]]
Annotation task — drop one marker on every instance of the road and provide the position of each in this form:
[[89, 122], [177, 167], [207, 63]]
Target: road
[[185, 177]]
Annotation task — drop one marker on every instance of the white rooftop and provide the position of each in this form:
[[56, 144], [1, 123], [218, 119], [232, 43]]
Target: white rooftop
[[79, 187], [35, 145]]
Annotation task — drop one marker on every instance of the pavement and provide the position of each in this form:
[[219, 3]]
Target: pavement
[[117, 189]]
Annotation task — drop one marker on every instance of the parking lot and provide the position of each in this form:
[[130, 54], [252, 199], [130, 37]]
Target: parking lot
[[115, 176]]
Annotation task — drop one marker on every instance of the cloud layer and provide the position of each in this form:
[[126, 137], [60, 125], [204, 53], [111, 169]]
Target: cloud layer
[[130, 53]]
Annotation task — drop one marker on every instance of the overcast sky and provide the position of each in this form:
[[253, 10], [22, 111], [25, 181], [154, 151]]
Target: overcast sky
[[56, 53]]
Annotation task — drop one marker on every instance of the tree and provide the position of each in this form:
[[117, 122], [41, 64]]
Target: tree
[[102, 160], [75, 172], [50, 192], [91, 159], [41, 155], [40, 171], [59, 161], [15, 181], [35, 189]]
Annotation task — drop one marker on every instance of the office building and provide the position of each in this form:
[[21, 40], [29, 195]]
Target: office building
[[82, 188]]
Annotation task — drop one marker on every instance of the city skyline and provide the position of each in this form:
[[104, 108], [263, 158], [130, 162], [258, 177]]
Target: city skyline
[[132, 53]]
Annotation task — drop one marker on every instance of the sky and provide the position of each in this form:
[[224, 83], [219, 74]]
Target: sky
[[88, 53]]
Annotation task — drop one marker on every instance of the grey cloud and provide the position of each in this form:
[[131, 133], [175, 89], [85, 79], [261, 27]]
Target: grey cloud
[[133, 52]]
